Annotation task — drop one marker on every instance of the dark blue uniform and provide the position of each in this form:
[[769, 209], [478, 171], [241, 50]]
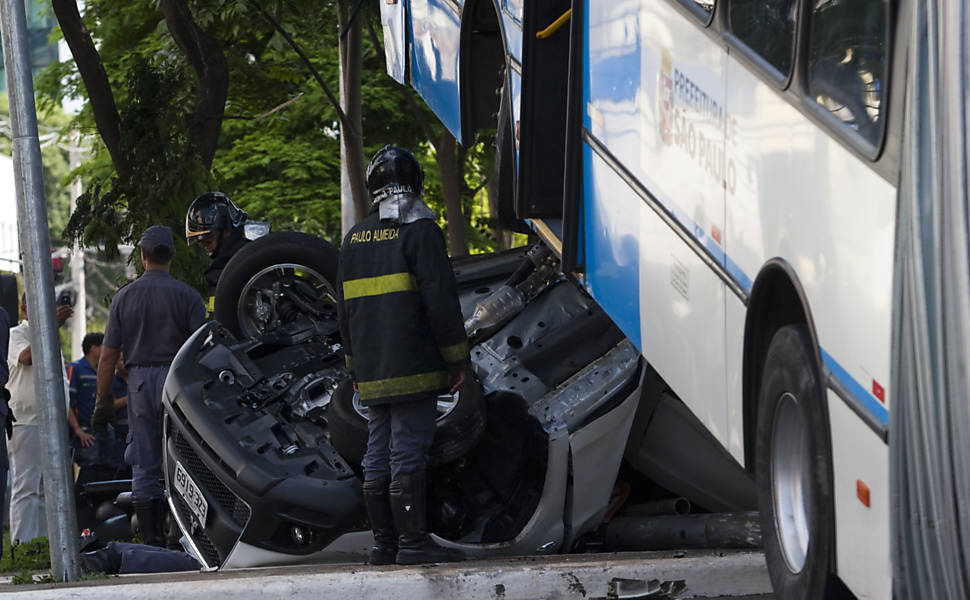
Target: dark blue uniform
[[83, 380], [150, 319]]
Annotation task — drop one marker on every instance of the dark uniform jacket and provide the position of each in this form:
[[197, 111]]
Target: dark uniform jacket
[[230, 246], [400, 320]]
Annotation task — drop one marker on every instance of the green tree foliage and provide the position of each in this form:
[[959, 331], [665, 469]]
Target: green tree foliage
[[278, 152]]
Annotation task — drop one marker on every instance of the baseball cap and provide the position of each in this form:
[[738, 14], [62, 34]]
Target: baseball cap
[[156, 237]]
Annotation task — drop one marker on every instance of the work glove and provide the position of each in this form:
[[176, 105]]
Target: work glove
[[104, 414]]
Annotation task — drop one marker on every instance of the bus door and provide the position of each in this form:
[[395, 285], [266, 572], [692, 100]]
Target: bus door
[[542, 122], [435, 27], [394, 24]]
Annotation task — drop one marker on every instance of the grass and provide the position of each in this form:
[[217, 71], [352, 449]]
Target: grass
[[29, 556], [30, 562]]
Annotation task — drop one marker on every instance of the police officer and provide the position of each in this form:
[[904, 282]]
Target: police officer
[[150, 319], [404, 344], [217, 224]]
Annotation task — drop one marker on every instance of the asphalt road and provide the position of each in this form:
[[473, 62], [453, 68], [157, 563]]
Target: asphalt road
[[630, 576]]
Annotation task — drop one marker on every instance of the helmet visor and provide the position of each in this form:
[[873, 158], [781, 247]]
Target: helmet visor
[[193, 237]]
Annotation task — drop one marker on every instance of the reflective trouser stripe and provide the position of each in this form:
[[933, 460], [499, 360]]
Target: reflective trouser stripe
[[401, 386], [349, 361], [210, 306], [376, 286], [455, 353]]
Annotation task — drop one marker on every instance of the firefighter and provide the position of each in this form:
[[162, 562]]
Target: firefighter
[[218, 225], [404, 344]]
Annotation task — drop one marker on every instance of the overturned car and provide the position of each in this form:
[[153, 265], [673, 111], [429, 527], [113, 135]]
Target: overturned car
[[264, 434]]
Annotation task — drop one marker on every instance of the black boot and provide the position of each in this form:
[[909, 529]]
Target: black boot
[[378, 508], [149, 523], [167, 532], [408, 499]]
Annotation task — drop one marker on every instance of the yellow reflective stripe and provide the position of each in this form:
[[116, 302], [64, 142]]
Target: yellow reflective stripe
[[400, 386], [210, 306], [349, 361], [455, 353], [383, 284]]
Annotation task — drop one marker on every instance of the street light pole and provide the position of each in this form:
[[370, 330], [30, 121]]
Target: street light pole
[[39, 281]]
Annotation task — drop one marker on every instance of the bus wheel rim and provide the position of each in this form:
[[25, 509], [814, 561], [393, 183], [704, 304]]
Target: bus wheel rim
[[791, 481]]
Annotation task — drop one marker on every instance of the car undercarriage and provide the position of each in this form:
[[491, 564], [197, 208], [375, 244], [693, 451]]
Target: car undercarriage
[[263, 436]]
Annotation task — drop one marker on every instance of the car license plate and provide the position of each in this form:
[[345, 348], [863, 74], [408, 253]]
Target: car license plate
[[191, 493]]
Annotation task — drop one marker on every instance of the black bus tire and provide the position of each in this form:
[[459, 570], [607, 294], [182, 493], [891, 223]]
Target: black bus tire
[[793, 465]]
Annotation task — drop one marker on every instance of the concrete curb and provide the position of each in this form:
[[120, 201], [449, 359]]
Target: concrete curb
[[591, 576]]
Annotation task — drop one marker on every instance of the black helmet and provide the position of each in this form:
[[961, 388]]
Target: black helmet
[[212, 211], [393, 166]]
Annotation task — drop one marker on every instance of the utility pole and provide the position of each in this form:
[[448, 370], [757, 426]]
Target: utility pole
[[39, 281]]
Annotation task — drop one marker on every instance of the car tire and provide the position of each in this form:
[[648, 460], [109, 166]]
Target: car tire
[[457, 432], [287, 254], [793, 465]]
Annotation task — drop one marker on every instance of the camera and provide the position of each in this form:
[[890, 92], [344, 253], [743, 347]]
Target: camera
[[65, 298]]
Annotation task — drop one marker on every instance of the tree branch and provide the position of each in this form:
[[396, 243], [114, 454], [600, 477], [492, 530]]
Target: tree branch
[[207, 59], [95, 79], [341, 115], [269, 112]]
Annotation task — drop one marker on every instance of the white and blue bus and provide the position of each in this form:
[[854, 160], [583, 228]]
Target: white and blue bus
[[721, 176]]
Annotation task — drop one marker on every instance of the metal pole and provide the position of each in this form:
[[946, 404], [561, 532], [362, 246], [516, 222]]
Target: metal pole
[[79, 322], [39, 281]]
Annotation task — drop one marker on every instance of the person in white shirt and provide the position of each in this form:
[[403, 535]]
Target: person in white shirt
[[27, 517]]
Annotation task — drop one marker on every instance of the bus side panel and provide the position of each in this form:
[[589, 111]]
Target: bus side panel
[[654, 95], [862, 536], [435, 33], [612, 216], [735, 315], [657, 291], [801, 196]]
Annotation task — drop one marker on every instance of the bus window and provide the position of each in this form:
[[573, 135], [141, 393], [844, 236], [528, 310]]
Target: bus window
[[767, 27], [847, 61]]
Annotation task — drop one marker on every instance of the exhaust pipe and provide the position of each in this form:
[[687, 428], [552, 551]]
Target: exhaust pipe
[[670, 532]]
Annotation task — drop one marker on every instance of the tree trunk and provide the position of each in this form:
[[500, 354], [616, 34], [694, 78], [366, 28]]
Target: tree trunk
[[450, 161], [352, 159], [501, 236], [95, 79], [207, 59]]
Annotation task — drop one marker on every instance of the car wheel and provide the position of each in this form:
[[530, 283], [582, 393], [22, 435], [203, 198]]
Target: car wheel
[[793, 465], [274, 279], [461, 422]]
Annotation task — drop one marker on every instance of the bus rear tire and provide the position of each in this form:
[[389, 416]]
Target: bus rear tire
[[793, 465]]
